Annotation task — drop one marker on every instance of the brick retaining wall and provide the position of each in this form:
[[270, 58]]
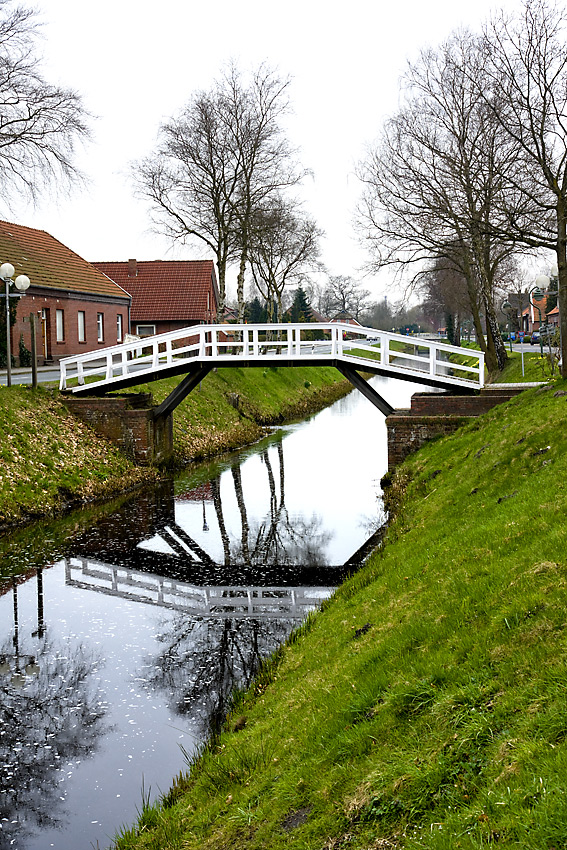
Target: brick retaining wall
[[128, 421], [437, 414]]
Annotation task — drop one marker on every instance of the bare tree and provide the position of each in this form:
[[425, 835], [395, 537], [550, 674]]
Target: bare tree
[[40, 124], [437, 185], [191, 181], [527, 71], [283, 245], [447, 295], [344, 294], [217, 163], [267, 163]]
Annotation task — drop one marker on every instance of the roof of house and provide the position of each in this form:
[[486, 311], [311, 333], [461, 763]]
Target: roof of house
[[165, 290], [47, 262], [345, 316]]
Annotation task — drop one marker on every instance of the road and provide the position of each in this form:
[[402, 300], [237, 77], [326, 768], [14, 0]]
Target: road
[[45, 374]]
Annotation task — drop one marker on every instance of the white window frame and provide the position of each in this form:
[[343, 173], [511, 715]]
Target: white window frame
[[100, 327], [60, 325], [141, 330], [119, 327], [81, 326]]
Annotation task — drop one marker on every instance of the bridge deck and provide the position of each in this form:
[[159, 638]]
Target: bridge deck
[[203, 347]]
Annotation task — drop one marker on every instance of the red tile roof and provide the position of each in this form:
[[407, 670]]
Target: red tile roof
[[166, 290], [47, 262]]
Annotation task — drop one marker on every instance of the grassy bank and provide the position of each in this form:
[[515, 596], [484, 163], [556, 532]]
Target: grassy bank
[[425, 707], [51, 462], [536, 368]]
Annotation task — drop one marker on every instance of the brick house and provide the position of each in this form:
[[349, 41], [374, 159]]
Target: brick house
[[531, 315], [166, 294], [77, 308]]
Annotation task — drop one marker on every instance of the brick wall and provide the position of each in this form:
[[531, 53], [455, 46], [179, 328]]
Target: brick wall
[[35, 301], [443, 404], [437, 414], [128, 422]]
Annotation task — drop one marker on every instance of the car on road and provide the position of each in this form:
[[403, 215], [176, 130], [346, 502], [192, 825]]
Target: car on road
[[535, 337]]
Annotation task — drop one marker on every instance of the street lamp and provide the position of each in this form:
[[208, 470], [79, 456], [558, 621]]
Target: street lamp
[[507, 308], [537, 293], [21, 283]]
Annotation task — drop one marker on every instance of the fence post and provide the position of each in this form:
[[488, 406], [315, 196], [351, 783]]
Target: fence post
[[432, 358], [385, 350]]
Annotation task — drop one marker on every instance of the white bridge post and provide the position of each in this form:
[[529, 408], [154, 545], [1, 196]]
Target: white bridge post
[[384, 350], [432, 359]]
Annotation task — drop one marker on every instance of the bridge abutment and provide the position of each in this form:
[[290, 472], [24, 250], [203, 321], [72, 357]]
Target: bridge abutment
[[437, 414], [129, 421]]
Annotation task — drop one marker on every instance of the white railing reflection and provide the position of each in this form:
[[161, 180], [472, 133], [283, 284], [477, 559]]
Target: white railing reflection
[[208, 601]]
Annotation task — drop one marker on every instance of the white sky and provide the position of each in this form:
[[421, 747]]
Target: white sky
[[136, 64]]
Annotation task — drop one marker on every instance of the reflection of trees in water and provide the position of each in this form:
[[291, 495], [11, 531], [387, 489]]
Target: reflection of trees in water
[[204, 660], [286, 543], [55, 718], [277, 538]]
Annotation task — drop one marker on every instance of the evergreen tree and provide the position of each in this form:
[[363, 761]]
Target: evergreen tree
[[300, 308], [256, 312]]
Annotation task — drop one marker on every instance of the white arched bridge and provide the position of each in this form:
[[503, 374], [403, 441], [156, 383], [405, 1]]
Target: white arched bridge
[[352, 349]]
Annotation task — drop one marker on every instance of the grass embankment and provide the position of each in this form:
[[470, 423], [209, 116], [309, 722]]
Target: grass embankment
[[425, 707], [536, 368], [50, 461]]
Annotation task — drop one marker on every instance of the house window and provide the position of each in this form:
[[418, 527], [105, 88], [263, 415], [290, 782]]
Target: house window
[[119, 328], [81, 326], [59, 326], [145, 330], [100, 326]]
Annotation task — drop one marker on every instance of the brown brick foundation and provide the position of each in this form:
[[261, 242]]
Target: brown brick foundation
[[436, 414], [128, 421]]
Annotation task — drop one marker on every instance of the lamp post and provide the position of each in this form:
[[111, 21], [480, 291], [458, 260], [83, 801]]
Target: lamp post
[[21, 283], [537, 293]]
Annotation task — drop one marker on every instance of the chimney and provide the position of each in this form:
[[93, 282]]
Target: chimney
[[132, 268]]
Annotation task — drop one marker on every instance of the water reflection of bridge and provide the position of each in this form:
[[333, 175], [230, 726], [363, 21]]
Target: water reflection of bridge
[[208, 601]]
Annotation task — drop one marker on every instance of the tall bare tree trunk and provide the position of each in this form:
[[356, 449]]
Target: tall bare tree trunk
[[562, 283]]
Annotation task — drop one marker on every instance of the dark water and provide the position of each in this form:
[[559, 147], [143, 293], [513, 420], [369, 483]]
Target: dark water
[[125, 630]]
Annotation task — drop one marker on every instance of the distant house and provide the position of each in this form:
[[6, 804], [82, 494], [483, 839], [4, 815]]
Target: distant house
[[553, 317], [166, 294], [531, 315], [346, 318], [76, 307]]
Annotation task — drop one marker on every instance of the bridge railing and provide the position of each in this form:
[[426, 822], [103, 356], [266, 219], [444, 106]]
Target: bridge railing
[[308, 341]]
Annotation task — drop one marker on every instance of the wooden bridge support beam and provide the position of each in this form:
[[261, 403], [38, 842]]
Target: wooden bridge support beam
[[182, 390]]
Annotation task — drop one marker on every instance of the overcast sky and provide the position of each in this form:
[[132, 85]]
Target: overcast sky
[[136, 64]]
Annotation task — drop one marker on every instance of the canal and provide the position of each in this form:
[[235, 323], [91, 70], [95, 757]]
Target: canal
[[123, 629]]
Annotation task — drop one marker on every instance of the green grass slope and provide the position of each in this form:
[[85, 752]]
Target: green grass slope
[[48, 459], [426, 706]]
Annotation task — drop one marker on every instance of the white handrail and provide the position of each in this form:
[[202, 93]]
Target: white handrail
[[394, 353]]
